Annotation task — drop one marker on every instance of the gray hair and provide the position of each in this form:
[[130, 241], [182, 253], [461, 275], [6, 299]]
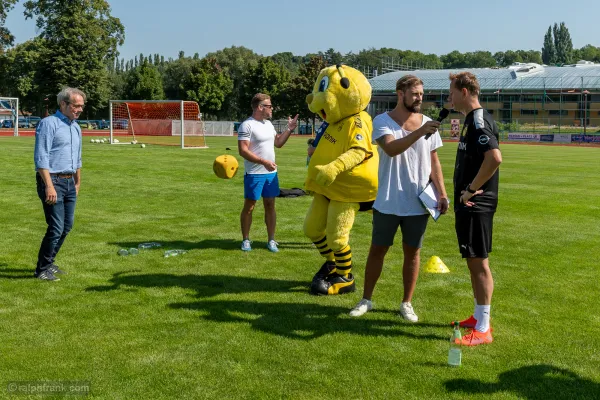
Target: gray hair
[[66, 93]]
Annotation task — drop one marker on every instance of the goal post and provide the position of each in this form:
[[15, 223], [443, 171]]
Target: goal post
[[162, 122], [9, 115]]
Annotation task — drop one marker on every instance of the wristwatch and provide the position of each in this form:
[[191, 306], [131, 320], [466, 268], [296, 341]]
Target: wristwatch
[[468, 189]]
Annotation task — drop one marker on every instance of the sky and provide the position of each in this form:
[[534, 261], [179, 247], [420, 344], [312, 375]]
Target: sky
[[308, 26]]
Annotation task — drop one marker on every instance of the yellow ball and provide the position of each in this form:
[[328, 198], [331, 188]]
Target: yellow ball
[[225, 166]]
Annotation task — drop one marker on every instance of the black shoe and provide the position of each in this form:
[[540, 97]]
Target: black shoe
[[55, 270], [318, 285], [46, 275], [334, 284], [327, 268]]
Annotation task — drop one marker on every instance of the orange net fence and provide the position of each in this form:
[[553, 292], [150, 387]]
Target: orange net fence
[[158, 123]]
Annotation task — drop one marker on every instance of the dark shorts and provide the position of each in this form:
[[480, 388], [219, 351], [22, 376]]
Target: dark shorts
[[474, 233], [385, 227]]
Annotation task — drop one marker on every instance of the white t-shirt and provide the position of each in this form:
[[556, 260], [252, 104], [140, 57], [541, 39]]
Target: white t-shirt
[[261, 135], [403, 177]]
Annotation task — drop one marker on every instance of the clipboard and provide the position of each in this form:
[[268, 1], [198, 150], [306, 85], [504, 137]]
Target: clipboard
[[429, 199]]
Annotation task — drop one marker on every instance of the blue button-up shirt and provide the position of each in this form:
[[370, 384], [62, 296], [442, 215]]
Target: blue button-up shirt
[[57, 144]]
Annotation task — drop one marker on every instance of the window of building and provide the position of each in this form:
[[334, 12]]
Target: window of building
[[529, 112], [558, 112]]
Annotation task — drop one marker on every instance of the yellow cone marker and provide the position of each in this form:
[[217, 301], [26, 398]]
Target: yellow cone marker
[[436, 266]]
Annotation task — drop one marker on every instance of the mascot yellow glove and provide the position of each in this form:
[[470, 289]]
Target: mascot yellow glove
[[345, 162]]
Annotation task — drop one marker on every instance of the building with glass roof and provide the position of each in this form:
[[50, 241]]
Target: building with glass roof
[[526, 93]]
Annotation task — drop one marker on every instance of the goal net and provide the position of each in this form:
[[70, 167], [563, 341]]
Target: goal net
[[170, 123], [9, 111]]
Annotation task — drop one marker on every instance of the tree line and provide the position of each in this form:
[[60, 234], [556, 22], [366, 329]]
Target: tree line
[[78, 42]]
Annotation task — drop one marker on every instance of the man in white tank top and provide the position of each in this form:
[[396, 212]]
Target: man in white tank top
[[407, 162], [257, 140]]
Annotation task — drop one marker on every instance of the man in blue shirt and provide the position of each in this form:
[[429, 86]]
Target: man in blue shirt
[[57, 158]]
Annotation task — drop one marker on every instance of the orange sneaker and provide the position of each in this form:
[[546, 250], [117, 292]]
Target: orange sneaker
[[475, 338], [466, 323]]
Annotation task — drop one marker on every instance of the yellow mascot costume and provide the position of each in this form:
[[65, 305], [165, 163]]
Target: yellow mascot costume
[[342, 173]]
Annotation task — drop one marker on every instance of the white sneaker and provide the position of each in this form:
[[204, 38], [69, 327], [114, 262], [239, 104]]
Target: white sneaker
[[407, 312], [246, 245], [361, 308], [272, 246]]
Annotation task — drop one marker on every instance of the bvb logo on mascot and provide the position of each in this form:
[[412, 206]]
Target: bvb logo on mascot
[[342, 173]]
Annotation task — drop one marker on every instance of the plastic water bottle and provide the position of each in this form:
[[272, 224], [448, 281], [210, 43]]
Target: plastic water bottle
[[133, 251], [455, 352], [173, 253], [122, 252], [149, 245]]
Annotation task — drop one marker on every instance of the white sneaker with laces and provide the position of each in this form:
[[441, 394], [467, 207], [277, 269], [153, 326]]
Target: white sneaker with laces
[[407, 312], [361, 308], [246, 245], [272, 246]]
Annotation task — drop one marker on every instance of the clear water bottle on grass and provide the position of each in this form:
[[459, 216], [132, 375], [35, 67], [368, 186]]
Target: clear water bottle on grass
[[149, 245], [173, 253], [455, 352], [122, 252], [133, 251]]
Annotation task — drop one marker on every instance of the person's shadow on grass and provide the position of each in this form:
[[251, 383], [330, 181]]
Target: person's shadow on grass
[[204, 285], [532, 382], [14, 273], [222, 244], [304, 321]]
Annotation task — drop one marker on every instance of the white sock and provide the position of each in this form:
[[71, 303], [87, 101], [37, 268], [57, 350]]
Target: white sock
[[482, 315]]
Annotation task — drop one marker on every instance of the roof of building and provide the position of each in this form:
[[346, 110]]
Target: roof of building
[[517, 77]]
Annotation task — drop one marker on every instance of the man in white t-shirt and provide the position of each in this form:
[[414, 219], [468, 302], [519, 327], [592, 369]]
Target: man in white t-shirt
[[408, 160], [257, 140]]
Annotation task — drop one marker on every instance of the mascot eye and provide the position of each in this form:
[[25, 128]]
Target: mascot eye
[[324, 84]]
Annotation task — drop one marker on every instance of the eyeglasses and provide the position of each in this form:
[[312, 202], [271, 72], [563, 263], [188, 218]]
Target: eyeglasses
[[76, 106], [270, 106]]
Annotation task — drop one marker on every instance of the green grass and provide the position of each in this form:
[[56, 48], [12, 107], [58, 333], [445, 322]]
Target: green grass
[[216, 323]]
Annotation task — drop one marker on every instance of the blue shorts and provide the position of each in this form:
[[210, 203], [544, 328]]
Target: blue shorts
[[257, 185]]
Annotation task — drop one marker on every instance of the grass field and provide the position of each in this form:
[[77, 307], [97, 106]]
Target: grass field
[[217, 323]]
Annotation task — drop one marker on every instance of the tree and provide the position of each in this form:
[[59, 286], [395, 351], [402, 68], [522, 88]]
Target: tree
[[301, 85], [562, 43], [454, 59], [565, 50], [6, 38], [80, 38], [266, 77], [20, 75], [144, 83], [208, 84], [236, 61], [549, 50]]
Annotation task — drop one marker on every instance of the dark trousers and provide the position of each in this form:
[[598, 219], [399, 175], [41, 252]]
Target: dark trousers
[[59, 218]]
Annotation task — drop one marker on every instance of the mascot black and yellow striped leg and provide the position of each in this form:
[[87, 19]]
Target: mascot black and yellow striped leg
[[336, 218], [314, 228]]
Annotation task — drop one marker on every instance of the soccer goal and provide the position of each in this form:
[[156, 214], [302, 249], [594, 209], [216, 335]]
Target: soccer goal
[[9, 111], [163, 122]]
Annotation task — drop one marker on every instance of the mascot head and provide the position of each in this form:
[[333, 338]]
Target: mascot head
[[340, 91], [225, 166]]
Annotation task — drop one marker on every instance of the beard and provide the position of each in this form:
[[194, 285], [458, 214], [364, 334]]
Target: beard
[[413, 108]]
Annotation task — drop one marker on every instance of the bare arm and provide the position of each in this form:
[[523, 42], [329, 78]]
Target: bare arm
[[77, 180], [244, 151], [282, 138], [491, 161], [393, 147], [50, 191], [438, 181]]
